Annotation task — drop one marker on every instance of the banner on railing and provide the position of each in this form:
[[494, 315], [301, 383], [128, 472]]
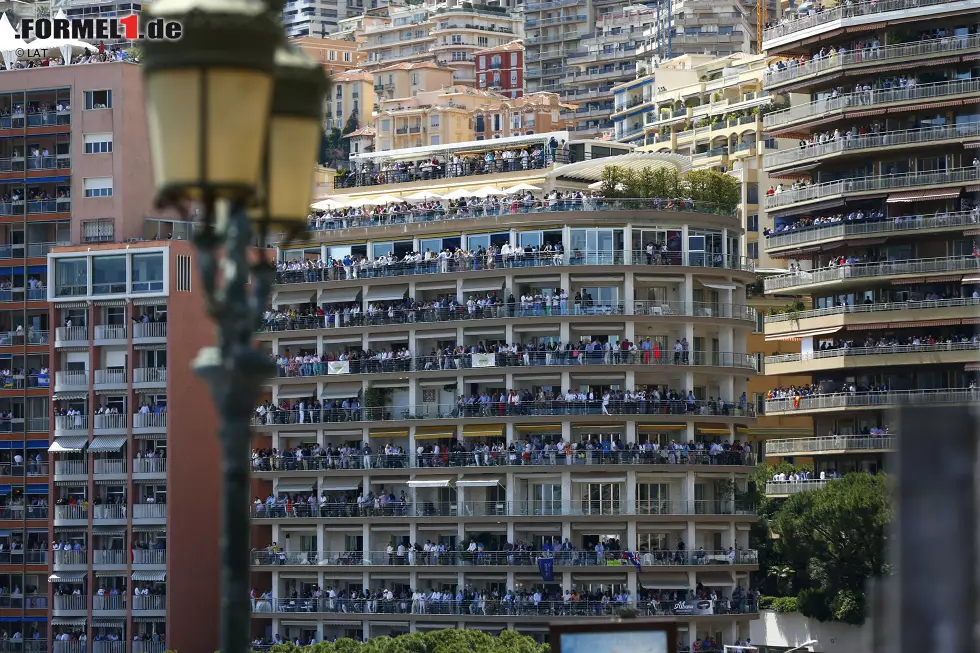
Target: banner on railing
[[483, 360], [693, 608], [338, 367]]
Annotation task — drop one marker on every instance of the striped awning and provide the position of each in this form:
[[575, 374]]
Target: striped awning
[[940, 105], [868, 112], [388, 433], [539, 428], [65, 396], [150, 576], [914, 196], [68, 621], [661, 427], [713, 431], [68, 444], [914, 280], [799, 335], [67, 577], [488, 431]]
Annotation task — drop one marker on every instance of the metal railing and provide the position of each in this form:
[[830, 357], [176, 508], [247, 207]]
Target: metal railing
[[71, 334], [383, 316], [72, 602], [874, 399], [867, 270], [149, 602], [149, 330], [109, 646], [421, 509], [110, 377], [150, 421], [500, 410], [38, 424], [792, 487], [110, 466], [852, 10], [150, 375], [149, 647], [109, 557], [109, 511], [110, 332], [899, 224], [900, 52], [150, 511], [106, 421], [872, 141], [528, 359], [31, 646], [149, 465], [878, 96], [68, 647], [881, 350], [70, 557], [464, 558], [77, 423], [71, 378], [931, 304], [31, 337], [109, 602], [149, 557], [833, 443], [70, 467]]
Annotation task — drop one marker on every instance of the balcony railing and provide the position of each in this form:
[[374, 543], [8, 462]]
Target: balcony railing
[[110, 466], [110, 377], [871, 142], [109, 557], [149, 465], [109, 602], [70, 558], [833, 443], [901, 52], [150, 511], [107, 421], [68, 647], [664, 456], [867, 8], [464, 558], [70, 512], [109, 511], [109, 646], [875, 308], [875, 351], [32, 646], [335, 319], [71, 334], [71, 379], [72, 602], [867, 270], [874, 399], [150, 421], [149, 557], [422, 509], [149, 647], [76, 423], [110, 332], [874, 97], [894, 225], [149, 330], [150, 602], [70, 467], [496, 608], [150, 375], [38, 424], [499, 410], [792, 487]]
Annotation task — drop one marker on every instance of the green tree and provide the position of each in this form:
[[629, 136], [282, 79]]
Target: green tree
[[838, 534], [439, 641], [715, 188]]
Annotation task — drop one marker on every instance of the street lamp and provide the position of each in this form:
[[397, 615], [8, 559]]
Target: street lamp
[[235, 117]]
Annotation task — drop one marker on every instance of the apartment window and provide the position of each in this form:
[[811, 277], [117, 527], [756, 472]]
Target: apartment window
[[513, 58], [340, 110], [482, 41], [386, 125], [434, 120], [725, 30], [753, 223], [332, 55], [760, 323], [71, 277], [98, 99], [753, 250], [98, 186], [98, 143], [183, 276], [348, 57], [415, 79], [148, 272], [482, 81], [98, 231], [456, 39], [108, 275], [496, 61], [483, 62], [513, 77], [433, 140], [340, 92], [752, 192]]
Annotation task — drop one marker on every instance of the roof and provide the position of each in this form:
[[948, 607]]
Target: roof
[[363, 131], [413, 65], [591, 169], [512, 46], [353, 75]]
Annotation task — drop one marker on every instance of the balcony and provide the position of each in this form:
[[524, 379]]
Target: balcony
[[149, 423], [150, 603], [839, 274], [964, 308], [883, 140], [786, 488], [107, 646], [70, 603], [110, 379], [109, 512], [958, 353], [70, 425], [826, 109], [149, 512], [795, 238], [150, 333], [113, 466], [143, 467], [149, 647], [65, 559], [111, 424], [109, 558], [110, 333], [63, 468], [149, 557], [832, 445], [70, 380], [146, 377], [871, 400], [38, 424], [110, 603], [73, 336], [68, 647]]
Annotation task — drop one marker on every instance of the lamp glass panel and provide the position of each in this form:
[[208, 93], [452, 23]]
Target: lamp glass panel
[[238, 115], [293, 145], [172, 97]]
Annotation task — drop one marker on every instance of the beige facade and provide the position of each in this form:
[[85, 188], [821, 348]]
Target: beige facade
[[350, 93], [335, 55]]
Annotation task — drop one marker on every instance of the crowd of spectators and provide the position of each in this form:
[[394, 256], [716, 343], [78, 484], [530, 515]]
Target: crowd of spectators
[[103, 54], [887, 341]]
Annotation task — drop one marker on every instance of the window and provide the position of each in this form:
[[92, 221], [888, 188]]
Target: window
[[98, 231], [98, 186], [71, 277], [415, 79], [513, 78], [513, 59], [725, 30], [332, 55], [753, 224], [348, 57], [148, 272], [433, 140], [434, 120], [482, 41], [183, 277], [482, 62], [456, 39], [98, 99], [108, 275], [98, 143], [753, 250]]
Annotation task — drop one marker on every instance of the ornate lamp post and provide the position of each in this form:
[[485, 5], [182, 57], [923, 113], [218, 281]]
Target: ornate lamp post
[[235, 119]]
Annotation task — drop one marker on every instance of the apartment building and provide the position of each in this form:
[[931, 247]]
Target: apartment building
[[315, 18], [337, 56], [876, 210], [350, 94], [710, 109], [501, 69], [500, 117], [134, 453], [482, 451]]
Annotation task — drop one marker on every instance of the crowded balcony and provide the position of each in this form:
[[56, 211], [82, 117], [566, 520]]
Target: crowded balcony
[[110, 603], [817, 401], [863, 270], [43, 152], [71, 513], [149, 557], [150, 602], [886, 351], [43, 195], [70, 603], [18, 508], [786, 488], [859, 224], [149, 466], [873, 312], [70, 558], [811, 20], [832, 445]]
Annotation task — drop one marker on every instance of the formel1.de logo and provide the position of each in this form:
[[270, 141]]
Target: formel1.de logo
[[99, 29]]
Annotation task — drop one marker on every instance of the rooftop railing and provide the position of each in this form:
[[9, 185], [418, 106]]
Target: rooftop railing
[[874, 399], [875, 308], [500, 410], [902, 52], [793, 487], [871, 98], [833, 443], [480, 558], [872, 141], [896, 225], [881, 350], [868, 270]]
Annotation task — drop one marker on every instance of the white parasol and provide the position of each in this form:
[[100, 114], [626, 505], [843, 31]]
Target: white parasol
[[384, 199], [10, 42], [487, 191], [327, 204], [458, 194], [519, 188], [66, 46], [423, 196]]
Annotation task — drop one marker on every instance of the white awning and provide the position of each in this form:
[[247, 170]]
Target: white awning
[[386, 293], [479, 482], [292, 297], [68, 396], [338, 295], [340, 391], [67, 577], [798, 335], [715, 579], [599, 479], [106, 443], [297, 391], [483, 285], [338, 487], [68, 444], [429, 151], [971, 278], [68, 621], [432, 482], [718, 285], [150, 576], [296, 485]]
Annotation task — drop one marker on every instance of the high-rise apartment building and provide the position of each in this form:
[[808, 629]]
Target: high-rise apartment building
[[876, 209], [543, 422]]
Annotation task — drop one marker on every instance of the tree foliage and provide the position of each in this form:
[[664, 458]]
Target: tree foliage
[[831, 542], [439, 641], [333, 148], [700, 185]]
